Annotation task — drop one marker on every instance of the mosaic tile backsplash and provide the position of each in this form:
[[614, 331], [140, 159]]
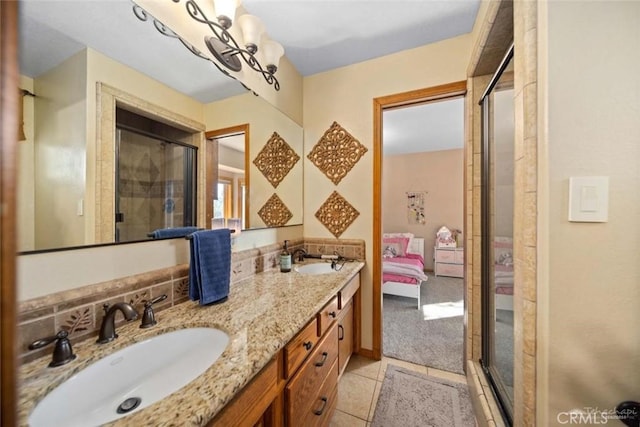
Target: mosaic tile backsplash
[[80, 311]]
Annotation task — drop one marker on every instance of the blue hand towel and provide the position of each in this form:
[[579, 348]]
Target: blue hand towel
[[210, 265], [166, 233]]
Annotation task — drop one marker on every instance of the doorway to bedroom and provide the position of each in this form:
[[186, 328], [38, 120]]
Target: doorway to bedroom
[[421, 219]]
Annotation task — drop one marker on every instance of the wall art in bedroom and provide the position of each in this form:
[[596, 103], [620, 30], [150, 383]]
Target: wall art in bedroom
[[415, 207]]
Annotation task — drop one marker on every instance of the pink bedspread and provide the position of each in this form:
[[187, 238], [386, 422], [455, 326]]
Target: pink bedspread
[[407, 269]]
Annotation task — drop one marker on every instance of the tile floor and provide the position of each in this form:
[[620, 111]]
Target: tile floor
[[360, 384]]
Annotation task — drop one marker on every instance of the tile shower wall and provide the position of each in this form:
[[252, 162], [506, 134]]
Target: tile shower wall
[[79, 311]]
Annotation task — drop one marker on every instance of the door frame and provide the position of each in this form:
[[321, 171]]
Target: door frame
[[404, 99]]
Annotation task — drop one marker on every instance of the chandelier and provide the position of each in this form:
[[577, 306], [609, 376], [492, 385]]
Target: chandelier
[[253, 49]]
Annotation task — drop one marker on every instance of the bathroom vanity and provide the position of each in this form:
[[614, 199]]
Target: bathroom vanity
[[290, 338]]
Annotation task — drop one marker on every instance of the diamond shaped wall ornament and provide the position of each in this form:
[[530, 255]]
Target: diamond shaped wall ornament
[[276, 159], [336, 214], [274, 212], [336, 153]]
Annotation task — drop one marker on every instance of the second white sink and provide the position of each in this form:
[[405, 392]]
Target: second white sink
[[131, 379], [315, 268]]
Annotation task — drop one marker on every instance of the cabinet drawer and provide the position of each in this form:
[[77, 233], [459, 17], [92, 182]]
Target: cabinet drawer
[[301, 391], [327, 315], [453, 270], [299, 347], [459, 257], [323, 406], [348, 291], [445, 256]]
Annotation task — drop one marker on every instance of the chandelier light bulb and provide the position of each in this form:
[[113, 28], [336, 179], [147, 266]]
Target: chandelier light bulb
[[225, 12], [252, 30], [272, 52]]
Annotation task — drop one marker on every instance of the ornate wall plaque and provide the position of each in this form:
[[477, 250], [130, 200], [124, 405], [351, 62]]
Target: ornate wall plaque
[[336, 214], [336, 153], [276, 159], [275, 213]]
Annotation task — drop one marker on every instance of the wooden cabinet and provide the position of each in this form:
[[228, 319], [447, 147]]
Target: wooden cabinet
[[299, 387], [308, 393], [345, 336], [448, 262]]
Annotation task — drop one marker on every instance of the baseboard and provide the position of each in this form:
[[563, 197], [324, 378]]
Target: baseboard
[[365, 352]]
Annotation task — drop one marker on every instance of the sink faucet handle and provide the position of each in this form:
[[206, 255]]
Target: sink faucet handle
[[62, 352], [148, 316]]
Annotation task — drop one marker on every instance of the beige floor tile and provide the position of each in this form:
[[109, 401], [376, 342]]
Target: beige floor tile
[[363, 366], [342, 419], [447, 375], [355, 394], [401, 363], [374, 402]]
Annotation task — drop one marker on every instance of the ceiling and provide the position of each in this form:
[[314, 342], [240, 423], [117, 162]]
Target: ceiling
[[318, 35]]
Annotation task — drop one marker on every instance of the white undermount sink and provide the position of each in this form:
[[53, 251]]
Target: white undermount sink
[[149, 370], [316, 268]]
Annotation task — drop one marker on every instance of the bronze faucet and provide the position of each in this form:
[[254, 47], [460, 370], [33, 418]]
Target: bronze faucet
[[62, 353], [300, 257], [108, 327]]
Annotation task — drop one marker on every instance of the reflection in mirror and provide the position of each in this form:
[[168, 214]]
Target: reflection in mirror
[[272, 163], [65, 53], [497, 232], [155, 178], [233, 182]]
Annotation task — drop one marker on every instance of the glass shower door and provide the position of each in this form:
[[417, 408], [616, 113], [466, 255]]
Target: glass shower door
[[497, 233], [155, 185]]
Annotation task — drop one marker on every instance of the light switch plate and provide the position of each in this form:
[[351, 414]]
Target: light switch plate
[[589, 199]]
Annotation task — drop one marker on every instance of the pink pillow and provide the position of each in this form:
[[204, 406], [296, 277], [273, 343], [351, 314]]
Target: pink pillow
[[398, 245]]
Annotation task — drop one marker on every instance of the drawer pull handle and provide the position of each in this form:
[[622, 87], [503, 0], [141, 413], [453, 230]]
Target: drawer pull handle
[[340, 332], [324, 359], [324, 405], [333, 314], [307, 345]]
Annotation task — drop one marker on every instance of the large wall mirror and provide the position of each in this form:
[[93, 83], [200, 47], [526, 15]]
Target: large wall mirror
[[67, 51]]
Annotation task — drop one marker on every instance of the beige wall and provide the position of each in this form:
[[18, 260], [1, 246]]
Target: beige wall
[[346, 95], [263, 120], [440, 173], [590, 293], [60, 163]]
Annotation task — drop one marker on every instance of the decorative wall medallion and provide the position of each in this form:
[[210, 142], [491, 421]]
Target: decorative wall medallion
[[336, 214], [336, 153], [275, 213], [276, 159]]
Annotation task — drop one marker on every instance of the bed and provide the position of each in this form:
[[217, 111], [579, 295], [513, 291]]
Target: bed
[[403, 271], [503, 272]]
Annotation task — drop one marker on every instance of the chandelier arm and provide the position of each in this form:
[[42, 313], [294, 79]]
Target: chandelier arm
[[196, 13]]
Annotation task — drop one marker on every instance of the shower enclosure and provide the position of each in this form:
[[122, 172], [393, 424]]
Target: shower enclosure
[[155, 184], [498, 134]]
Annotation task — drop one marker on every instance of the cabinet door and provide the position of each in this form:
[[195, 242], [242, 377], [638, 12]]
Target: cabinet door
[[345, 335]]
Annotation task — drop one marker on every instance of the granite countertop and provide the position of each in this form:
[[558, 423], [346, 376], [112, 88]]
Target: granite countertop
[[261, 315]]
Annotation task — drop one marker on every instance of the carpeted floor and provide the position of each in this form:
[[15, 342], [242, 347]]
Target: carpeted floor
[[504, 348], [409, 399], [432, 336]]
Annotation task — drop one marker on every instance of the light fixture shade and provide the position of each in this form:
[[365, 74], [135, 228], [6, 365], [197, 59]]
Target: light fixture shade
[[225, 8], [252, 30], [272, 52]]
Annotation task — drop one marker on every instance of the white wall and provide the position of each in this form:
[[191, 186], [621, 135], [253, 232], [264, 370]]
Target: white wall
[[346, 95], [589, 297]]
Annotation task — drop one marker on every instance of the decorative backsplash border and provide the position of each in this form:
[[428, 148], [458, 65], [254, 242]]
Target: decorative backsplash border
[[79, 311]]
